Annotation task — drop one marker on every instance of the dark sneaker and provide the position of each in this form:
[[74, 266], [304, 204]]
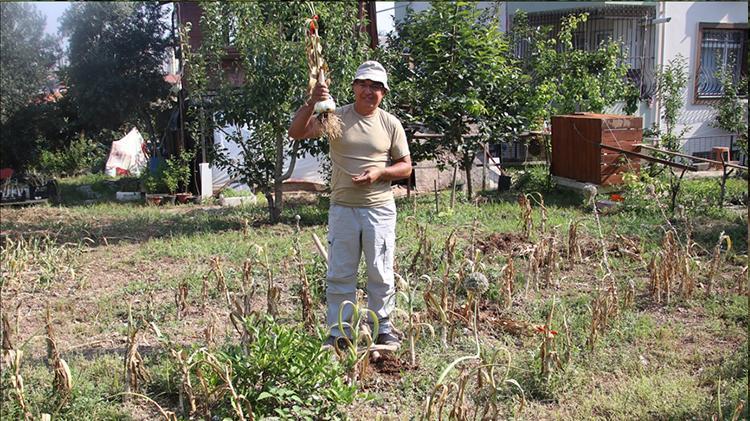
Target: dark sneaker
[[333, 342], [388, 341]]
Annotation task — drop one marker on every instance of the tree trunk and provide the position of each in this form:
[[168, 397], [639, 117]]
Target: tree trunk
[[674, 188], [151, 131], [468, 161], [278, 200], [276, 205], [273, 212], [453, 186]]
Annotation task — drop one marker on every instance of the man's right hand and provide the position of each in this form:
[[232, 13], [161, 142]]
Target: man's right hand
[[320, 93], [303, 125]]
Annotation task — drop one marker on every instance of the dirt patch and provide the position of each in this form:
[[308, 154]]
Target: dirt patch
[[493, 320], [504, 243], [391, 365]]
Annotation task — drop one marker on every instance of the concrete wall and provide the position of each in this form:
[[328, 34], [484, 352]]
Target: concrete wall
[[427, 172]]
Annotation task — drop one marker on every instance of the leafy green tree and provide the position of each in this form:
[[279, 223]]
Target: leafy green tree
[[265, 86], [27, 56], [116, 55], [566, 79], [731, 111], [35, 128], [731, 115], [671, 84], [458, 79], [27, 59]]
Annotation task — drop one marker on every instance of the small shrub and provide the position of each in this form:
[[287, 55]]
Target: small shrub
[[643, 192], [703, 195], [177, 171], [82, 156], [153, 181], [284, 372], [535, 178]]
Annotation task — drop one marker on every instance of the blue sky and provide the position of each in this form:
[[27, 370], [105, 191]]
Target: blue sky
[[52, 10]]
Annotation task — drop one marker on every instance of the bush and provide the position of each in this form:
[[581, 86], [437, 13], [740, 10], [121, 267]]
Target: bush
[[153, 181], [177, 172], [535, 178], [82, 156], [701, 195], [285, 373]]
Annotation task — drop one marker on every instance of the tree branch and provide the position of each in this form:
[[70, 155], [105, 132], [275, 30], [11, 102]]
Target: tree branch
[[292, 163]]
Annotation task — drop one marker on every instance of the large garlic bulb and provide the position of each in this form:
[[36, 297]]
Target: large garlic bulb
[[327, 106]]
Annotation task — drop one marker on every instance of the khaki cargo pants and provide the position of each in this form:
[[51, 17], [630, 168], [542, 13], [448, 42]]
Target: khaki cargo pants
[[350, 232]]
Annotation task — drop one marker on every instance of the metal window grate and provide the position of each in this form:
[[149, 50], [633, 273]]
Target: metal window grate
[[720, 49]]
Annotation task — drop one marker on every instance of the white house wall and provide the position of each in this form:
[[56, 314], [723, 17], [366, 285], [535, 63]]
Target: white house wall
[[681, 37]]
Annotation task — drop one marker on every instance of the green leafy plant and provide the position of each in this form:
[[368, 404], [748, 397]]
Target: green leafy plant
[[284, 372], [731, 115], [643, 192], [153, 181], [565, 78], [671, 83], [731, 111], [177, 171], [79, 157]]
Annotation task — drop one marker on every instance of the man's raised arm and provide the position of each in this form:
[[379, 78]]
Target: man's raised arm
[[304, 124]]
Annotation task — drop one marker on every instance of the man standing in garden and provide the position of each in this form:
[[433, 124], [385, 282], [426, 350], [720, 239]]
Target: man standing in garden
[[371, 153]]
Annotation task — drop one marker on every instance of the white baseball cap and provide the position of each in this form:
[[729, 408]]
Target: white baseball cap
[[373, 71]]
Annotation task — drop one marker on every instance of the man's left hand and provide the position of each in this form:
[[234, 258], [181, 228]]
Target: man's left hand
[[368, 176]]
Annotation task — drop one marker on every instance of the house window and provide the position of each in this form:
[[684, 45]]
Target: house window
[[721, 47]]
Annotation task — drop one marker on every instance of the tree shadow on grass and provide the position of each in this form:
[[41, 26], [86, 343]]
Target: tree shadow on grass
[[171, 221]]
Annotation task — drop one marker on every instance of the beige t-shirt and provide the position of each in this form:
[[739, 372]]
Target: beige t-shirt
[[373, 141]]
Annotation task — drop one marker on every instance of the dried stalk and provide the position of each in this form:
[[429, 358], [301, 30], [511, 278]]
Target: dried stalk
[[526, 211], [204, 291], [742, 281], [7, 339], [574, 254], [508, 277], [12, 360], [63, 383], [422, 260], [308, 309], [209, 332], [180, 299], [135, 368], [716, 260], [221, 283], [11, 363], [548, 350], [603, 309]]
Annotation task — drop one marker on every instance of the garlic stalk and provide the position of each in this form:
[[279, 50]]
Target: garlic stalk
[[324, 110]]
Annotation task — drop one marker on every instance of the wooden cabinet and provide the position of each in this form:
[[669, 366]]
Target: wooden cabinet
[[576, 150]]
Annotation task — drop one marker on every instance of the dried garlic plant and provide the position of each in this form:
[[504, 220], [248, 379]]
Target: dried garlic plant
[[317, 66]]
